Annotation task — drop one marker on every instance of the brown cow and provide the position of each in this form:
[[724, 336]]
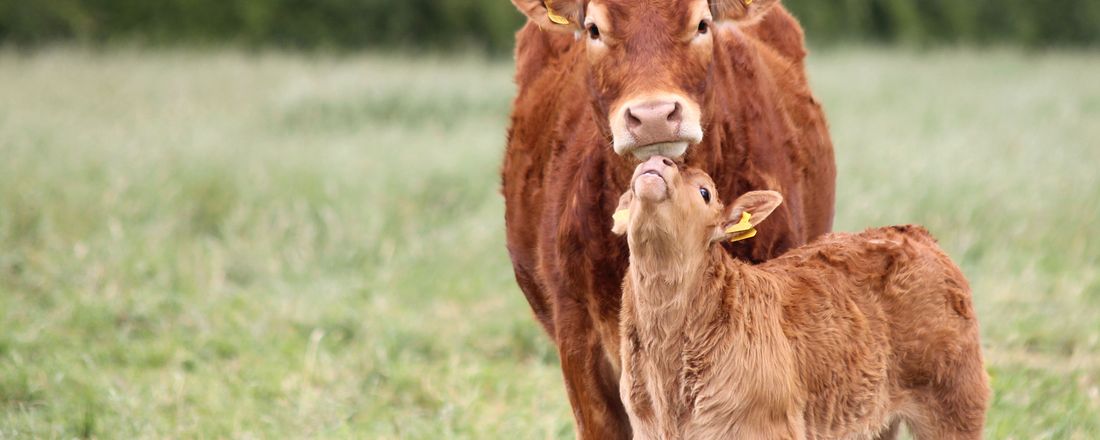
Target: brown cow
[[842, 338], [603, 82]]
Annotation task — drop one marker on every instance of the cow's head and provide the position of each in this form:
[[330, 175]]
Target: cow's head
[[648, 63]]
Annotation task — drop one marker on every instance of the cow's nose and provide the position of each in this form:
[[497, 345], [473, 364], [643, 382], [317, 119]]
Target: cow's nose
[[654, 121]]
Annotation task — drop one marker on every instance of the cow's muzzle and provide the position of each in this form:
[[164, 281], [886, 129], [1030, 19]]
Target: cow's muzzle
[[664, 125]]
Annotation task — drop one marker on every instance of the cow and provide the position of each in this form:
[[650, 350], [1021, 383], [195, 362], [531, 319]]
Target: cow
[[602, 84]]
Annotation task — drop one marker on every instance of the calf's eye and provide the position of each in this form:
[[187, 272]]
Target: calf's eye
[[705, 193], [593, 32], [703, 27]]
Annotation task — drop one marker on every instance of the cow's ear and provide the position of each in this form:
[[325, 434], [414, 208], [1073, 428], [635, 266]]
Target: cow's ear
[[553, 15], [741, 10], [621, 218], [742, 216]]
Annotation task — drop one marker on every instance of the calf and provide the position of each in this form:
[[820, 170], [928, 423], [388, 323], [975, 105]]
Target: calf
[[845, 337]]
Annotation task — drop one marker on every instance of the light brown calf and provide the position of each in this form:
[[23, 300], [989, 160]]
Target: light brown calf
[[842, 338]]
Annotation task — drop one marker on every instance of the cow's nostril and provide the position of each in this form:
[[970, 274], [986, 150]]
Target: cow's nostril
[[677, 113], [668, 162], [631, 120]]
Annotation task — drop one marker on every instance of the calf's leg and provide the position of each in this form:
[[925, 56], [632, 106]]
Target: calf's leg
[[955, 410]]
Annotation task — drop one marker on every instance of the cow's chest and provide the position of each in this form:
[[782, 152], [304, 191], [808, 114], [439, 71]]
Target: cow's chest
[[578, 232]]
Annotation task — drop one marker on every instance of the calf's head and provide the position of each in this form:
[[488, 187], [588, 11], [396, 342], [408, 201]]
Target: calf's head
[[673, 209], [648, 63]]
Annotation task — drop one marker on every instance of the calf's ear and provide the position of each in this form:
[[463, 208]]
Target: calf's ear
[[747, 11], [621, 219], [552, 15], [745, 213]]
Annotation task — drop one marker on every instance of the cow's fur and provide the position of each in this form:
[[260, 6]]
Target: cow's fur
[[762, 129], [843, 338]]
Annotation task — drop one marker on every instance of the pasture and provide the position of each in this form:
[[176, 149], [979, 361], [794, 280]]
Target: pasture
[[269, 245]]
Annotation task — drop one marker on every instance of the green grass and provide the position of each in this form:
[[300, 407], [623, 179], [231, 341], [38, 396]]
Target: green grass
[[278, 246]]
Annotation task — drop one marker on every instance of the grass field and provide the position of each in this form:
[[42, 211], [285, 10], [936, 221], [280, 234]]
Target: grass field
[[211, 245]]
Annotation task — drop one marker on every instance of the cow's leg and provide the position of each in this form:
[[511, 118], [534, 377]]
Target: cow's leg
[[540, 306], [590, 379]]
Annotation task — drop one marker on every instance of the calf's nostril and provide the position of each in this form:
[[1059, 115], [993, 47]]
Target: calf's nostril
[[668, 162]]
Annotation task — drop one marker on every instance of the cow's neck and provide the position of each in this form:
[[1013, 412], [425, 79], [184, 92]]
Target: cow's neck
[[739, 124]]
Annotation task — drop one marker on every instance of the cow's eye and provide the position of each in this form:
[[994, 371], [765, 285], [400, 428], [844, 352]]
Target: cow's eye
[[705, 193], [593, 32], [703, 27]]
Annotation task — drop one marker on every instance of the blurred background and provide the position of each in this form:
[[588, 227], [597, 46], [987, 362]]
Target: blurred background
[[282, 219], [489, 24]]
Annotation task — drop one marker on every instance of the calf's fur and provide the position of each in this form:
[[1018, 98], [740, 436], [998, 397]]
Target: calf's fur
[[845, 337]]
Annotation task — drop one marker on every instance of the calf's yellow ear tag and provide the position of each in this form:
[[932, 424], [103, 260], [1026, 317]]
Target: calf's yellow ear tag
[[743, 230], [554, 17]]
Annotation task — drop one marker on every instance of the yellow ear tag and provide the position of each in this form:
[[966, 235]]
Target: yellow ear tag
[[554, 17], [744, 235], [742, 225], [748, 2], [743, 230], [621, 215]]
